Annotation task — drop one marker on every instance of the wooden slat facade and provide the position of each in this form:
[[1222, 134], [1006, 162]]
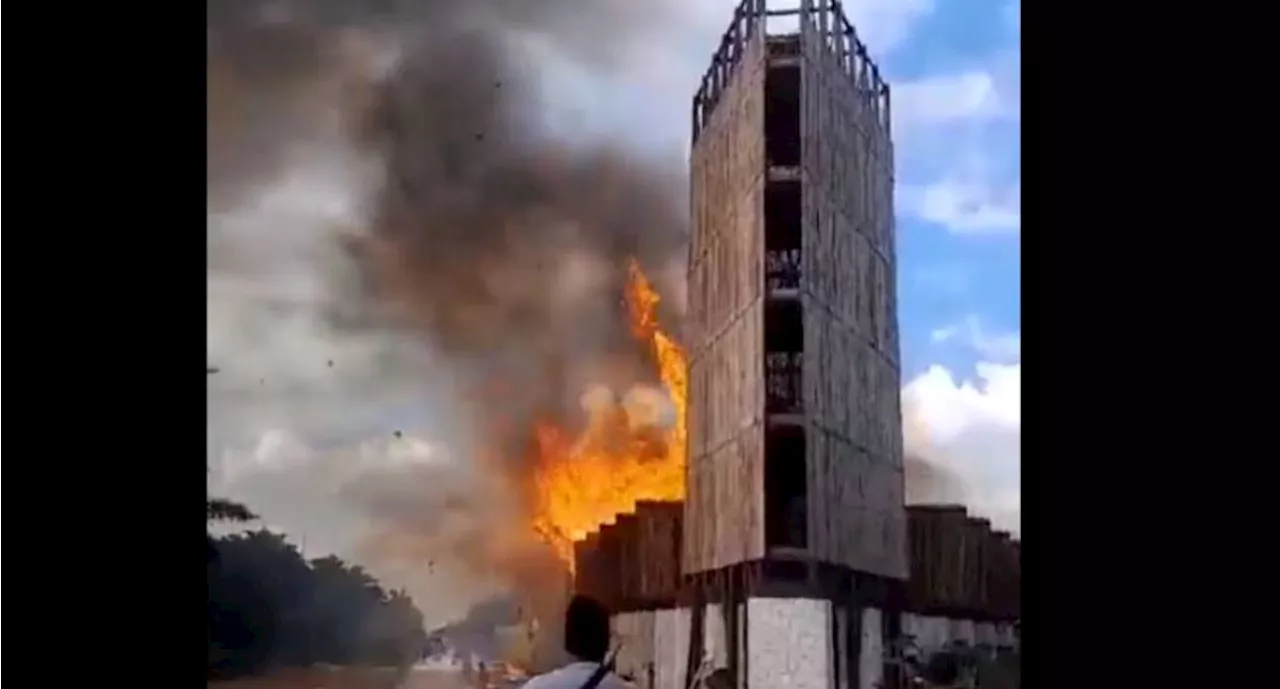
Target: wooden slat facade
[[851, 373], [959, 567], [1003, 576], [609, 566], [938, 533], [586, 568], [724, 521], [660, 525], [630, 558], [633, 564], [974, 569]]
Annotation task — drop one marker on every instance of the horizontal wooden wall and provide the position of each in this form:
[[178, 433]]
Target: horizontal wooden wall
[[725, 335], [851, 375]]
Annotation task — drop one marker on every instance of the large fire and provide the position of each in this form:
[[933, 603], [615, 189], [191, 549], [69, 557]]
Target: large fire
[[622, 455]]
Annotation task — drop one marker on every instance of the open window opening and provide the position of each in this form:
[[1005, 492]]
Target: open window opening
[[786, 489], [782, 221], [784, 357], [782, 115]]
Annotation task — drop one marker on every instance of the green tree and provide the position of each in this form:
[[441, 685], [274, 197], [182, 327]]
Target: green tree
[[269, 607]]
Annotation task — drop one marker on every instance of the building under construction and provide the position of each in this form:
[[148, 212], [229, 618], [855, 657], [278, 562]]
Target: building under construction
[[793, 553]]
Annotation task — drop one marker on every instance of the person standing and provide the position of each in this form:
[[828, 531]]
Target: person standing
[[586, 639]]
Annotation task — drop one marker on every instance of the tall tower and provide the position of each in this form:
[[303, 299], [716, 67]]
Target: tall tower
[[795, 429], [795, 486]]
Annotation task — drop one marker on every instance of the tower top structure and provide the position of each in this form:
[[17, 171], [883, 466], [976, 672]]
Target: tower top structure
[[815, 22]]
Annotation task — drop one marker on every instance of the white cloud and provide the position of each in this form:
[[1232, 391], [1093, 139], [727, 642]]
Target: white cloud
[[972, 430], [958, 137], [645, 99], [966, 207], [970, 95], [967, 432], [885, 24], [971, 333]]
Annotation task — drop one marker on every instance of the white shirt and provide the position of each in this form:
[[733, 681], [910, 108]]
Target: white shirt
[[573, 676]]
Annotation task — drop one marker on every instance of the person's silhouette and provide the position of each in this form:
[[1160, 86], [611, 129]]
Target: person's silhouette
[[586, 639]]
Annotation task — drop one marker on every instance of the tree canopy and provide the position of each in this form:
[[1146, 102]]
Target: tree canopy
[[269, 607]]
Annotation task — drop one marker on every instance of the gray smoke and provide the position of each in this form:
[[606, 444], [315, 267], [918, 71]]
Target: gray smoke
[[930, 482], [407, 259]]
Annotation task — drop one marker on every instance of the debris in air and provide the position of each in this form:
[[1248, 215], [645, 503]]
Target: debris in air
[[398, 434], [210, 370], [331, 363]]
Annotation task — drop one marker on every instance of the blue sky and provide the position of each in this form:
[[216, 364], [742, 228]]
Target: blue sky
[[959, 228], [957, 265]]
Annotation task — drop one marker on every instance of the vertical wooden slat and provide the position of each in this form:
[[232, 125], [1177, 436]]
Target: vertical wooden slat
[[1015, 580], [648, 547], [849, 320], [851, 371], [975, 537], [630, 562], [659, 526], [917, 583], [611, 556], [726, 268]]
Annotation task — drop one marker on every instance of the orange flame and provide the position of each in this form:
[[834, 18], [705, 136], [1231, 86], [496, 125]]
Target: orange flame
[[622, 456]]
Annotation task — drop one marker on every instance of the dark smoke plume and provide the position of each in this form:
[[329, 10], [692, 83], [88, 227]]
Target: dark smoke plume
[[480, 217], [470, 248], [481, 220]]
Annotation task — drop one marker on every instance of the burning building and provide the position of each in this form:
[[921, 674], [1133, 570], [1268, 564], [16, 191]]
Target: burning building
[[789, 551]]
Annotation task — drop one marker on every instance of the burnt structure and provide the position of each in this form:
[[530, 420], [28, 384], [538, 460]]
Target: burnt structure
[[795, 479], [960, 567]]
